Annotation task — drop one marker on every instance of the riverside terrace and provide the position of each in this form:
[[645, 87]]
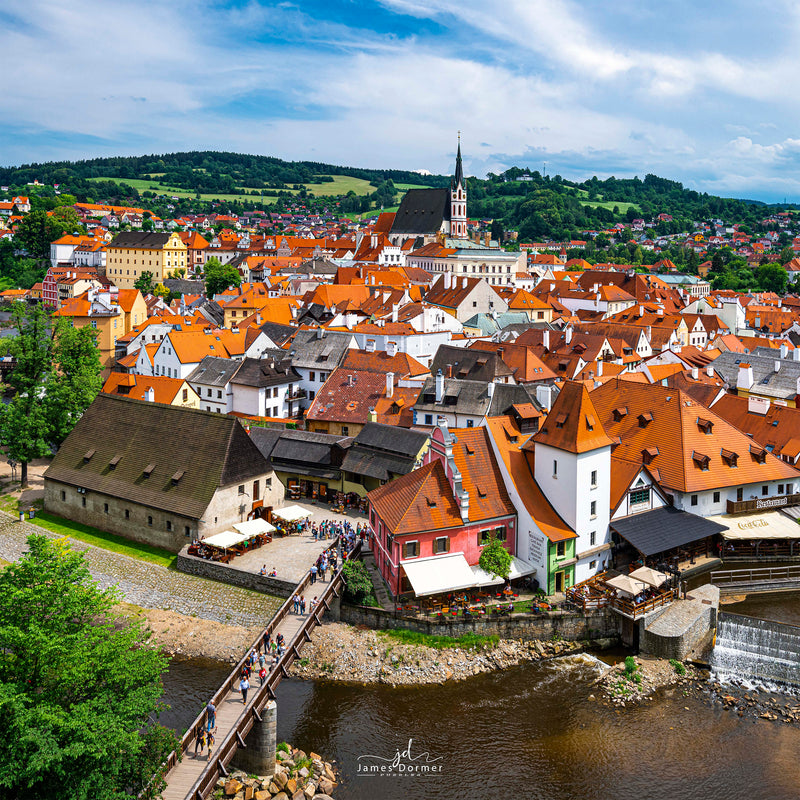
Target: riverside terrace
[[290, 556]]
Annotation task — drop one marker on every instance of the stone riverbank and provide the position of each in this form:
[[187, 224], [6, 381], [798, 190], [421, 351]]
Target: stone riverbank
[[298, 775], [637, 678], [343, 653]]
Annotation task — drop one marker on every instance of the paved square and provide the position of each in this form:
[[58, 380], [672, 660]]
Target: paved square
[[292, 556]]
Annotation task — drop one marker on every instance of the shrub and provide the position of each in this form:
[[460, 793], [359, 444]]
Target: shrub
[[677, 666], [357, 582]]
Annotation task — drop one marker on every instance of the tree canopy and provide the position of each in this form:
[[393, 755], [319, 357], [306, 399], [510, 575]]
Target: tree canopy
[[144, 283], [495, 559], [220, 277], [56, 377], [79, 685]]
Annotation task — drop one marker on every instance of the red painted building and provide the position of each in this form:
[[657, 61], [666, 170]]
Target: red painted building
[[441, 515]]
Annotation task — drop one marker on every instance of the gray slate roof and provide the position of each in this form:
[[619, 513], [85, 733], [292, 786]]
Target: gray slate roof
[[327, 353], [214, 371], [303, 452], [141, 240], [204, 450], [469, 364], [472, 397], [422, 211], [382, 450], [264, 372], [766, 382]]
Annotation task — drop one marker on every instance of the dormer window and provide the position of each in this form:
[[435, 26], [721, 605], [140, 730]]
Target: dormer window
[[645, 419], [431, 502], [590, 423], [88, 456], [177, 476], [701, 460], [648, 454], [759, 454], [705, 425], [560, 420], [114, 461], [148, 470], [620, 412], [730, 457]]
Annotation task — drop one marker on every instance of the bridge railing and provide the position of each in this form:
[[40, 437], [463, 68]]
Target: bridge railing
[[722, 577], [226, 749]]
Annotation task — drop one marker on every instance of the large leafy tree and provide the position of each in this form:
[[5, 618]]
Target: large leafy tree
[[772, 278], [79, 685], [220, 277], [55, 379], [75, 382], [144, 283], [38, 229]]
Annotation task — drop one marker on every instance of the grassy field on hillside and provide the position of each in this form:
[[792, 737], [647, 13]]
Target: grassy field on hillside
[[342, 184]]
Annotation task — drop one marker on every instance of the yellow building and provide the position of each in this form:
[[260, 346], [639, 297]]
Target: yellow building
[[131, 253], [112, 314]]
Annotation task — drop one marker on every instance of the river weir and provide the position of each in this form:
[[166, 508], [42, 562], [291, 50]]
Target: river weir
[[754, 650]]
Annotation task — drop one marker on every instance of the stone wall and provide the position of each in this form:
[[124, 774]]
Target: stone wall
[[226, 573], [527, 627]]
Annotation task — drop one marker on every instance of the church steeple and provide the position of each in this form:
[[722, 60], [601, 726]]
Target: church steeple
[[458, 199], [459, 176]]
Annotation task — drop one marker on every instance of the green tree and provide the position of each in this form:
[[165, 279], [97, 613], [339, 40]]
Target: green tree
[[75, 382], [772, 278], [357, 582], [37, 230], [495, 559], [79, 685], [220, 277], [786, 255], [161, 291], [144, 283]]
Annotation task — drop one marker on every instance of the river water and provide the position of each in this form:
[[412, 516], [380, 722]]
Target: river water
[[531, 732]]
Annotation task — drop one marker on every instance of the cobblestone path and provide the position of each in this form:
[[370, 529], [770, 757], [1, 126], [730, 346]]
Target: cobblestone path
[[150, 585]]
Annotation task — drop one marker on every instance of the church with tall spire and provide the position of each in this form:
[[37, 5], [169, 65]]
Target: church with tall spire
[[425, 215]]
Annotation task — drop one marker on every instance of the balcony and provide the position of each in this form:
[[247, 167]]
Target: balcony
[[297, 394], [762, 503]]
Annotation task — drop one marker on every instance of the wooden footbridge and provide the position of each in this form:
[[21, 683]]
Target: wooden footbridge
[[191, 777], [758, 579]]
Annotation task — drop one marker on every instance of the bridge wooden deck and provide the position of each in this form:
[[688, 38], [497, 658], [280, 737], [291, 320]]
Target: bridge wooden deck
[[194, 776], [759, 579]]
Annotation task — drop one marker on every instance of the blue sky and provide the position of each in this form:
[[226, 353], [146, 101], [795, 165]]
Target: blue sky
[[702, 95]]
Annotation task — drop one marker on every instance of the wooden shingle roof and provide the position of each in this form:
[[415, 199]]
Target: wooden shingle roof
[[212, 450]]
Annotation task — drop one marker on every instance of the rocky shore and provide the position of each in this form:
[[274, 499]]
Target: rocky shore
[[343, 653], [298, 776], [639, 677]]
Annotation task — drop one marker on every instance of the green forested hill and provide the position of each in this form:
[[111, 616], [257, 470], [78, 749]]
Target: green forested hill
[[537, 206]]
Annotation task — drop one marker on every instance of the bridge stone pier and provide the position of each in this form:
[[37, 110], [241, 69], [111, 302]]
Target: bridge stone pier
[[258, 756]]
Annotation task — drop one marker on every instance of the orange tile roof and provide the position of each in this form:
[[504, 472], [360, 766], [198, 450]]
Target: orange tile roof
[[347, 396], [400, 364], [520, 468], [573, 423], [165, 389], [669, 422]]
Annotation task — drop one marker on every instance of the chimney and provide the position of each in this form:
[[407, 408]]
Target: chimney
[[600, 368], [796, 354], [544, 395], [395, 313], [546, 339], [150, 395], [391, 349], [710, 371], [758, 322], [695, 373], [390, 384], [744, 380], [784, 350], [319, 333], [487, 239], [373, 415], [641, 311], [439, 387], [446, 280], [463, 283], [568, 335], [777, 365], [490, 389]]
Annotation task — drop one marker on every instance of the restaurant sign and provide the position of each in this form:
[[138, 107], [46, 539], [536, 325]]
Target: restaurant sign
[[774, 502]]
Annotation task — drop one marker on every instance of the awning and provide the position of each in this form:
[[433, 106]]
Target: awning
[[627, 585], [768, 525], [438, 574], [291, 513], [225, 539], [519, 569], [650, 576], [664, 529], [254, 527]]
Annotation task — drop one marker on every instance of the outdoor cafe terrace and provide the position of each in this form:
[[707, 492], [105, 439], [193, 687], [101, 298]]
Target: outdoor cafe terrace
[[634, 594]]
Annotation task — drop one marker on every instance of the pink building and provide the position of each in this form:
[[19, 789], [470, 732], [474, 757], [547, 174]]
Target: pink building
[[430, 526]]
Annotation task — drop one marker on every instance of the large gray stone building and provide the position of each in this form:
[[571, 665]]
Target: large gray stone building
[[159, 474]]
